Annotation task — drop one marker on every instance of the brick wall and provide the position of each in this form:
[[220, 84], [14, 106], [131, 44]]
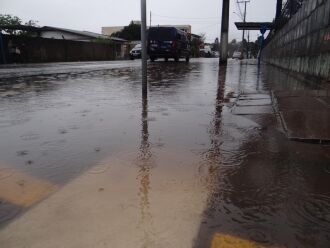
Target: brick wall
[[303, 44]]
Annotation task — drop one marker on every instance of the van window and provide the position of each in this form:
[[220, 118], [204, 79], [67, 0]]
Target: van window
[[162, 34]]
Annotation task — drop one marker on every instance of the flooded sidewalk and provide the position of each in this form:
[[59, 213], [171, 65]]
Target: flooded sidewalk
[[203, 162]]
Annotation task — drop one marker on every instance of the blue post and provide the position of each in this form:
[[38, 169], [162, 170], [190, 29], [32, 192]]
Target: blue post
[[2, 50], [261, 39]]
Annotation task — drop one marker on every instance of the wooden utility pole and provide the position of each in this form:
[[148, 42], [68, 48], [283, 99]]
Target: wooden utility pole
[[224, 32], [144, 48]]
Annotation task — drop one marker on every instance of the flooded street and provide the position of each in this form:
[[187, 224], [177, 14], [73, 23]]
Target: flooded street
[[205, 161]]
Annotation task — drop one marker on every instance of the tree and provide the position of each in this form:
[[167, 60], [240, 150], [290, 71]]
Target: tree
[[32, 23], [10, 20], [130, 32], [202, 37], [233, 46], [14, 20], [216, 45]]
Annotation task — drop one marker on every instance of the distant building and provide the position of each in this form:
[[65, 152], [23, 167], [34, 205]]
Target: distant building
[[114, 29]]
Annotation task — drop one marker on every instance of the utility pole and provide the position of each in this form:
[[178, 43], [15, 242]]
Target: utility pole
[[244, 20], [144, 48], [224, 32], [150, 19]]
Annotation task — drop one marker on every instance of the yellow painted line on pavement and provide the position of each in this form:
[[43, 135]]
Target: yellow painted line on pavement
[[22, 189], [229, 241]]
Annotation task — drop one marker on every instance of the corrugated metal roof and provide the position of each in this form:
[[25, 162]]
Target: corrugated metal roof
[[49, 28]]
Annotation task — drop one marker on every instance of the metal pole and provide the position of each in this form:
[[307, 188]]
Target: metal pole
[[144, 47], [2, 49], [224, 32], [150, 19], [279, 5], [244, 19], [248, 45]]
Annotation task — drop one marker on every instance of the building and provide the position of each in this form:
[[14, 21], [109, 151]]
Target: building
[[48, 32], [70, 34], [114, 29], [61, 33]]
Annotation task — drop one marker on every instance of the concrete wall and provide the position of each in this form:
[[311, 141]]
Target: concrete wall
[[37, 50], [303, 44], [110, 30]]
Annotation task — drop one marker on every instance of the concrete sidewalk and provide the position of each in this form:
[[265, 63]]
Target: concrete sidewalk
[[305, 114]]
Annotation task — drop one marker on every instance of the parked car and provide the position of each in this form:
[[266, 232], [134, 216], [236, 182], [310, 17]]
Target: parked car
[[216, 54], [168, 42], [135, 53], [237, 55], [206, 51]]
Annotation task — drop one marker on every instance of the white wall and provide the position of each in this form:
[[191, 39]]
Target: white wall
[[59, 35]]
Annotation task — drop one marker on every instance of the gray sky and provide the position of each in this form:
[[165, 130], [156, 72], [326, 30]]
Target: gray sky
[[203, 15]]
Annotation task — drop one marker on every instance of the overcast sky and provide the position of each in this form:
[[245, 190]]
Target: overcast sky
[[203, 15]]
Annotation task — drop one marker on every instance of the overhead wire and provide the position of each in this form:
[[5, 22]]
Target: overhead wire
[[185, 18], [239, 9]]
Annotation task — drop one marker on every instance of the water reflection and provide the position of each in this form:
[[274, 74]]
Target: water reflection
[[145, 164], [273, 194]]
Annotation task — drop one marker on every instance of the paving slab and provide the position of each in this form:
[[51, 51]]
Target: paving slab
[[303, 103], [307, 125], [252, 110], [299, 93], [254, 102], [254, 96]]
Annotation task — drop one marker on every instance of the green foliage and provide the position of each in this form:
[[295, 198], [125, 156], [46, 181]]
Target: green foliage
[[104, 40], [130, 32], [14, 20], [10, 20]]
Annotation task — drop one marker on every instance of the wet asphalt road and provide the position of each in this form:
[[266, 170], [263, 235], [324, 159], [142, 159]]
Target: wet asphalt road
[[196, 146]]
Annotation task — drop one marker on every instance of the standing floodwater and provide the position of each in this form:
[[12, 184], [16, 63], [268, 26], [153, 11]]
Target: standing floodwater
[[203, 162]]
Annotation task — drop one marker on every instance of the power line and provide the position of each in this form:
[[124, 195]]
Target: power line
[[239, 9], [186, 18], [155, 19]]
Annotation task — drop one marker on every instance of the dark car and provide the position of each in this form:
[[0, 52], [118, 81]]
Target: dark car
[[168, 42]]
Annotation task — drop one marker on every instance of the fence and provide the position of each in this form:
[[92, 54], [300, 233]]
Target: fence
[[24, 49]]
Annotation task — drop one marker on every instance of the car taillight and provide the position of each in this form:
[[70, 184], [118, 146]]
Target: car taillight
[[174, 45]]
